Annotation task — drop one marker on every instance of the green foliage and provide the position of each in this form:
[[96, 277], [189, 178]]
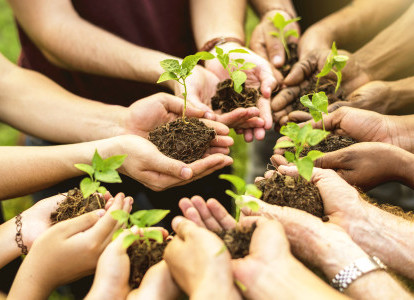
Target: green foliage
[[235, 66], [334, 63], [241, 190], [300, 137], [282, 33], [101, 170], [317, 106], [142, 219], [179, 72]]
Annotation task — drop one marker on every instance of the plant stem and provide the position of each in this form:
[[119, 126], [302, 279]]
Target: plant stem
[[285, 46], [185, 99], [237, 213]]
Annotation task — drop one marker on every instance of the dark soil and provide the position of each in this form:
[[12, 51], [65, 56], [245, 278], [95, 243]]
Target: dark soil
[[186, 141], [332, 143], [293, 192], [237, 240], [142, 257], [285, 69], [227, 99], [75, 205], [325, 85]]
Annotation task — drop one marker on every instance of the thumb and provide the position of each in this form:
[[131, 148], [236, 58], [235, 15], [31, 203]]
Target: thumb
[[275, 51], [268, 81], [301, 70], [330, 160], [339, 104], [79, 224], [168, 166]]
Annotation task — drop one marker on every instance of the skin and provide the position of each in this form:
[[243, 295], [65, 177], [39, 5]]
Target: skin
[[357, 166], [257, 270], [80, 240]]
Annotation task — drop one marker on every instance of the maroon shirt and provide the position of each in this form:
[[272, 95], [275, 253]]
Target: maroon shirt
[[162, 25]]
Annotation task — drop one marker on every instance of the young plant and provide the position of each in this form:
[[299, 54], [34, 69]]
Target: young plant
[[101, 170], [282, 33], [241, 190], [334, 63], [142, 219], [299, 138], [235, 67], [317, 106], [179, 72]]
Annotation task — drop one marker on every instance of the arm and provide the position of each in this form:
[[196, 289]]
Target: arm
[[9, 250]]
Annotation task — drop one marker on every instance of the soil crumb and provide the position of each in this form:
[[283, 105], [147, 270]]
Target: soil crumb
[[332, 143], [294, 58], [237, 240], [186, 141]]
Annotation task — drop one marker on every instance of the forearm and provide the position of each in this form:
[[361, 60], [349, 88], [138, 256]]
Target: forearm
[[389, 54], [386, 236], [60, 33], [36, 105], [29, 169], [224, 19], [403, 96], [264, 6], [8, 246], [401, 131]]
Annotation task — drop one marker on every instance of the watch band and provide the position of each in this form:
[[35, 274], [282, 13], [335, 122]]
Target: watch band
[[358, 268]]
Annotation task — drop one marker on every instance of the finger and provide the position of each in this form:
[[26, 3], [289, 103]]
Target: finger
[[284, 98], [197, 103], [339, 104], [217, 150], [269, 174], [220, 128], [268, 81], [257, 41], [168, 166], [259, 178], [176, 105], [239, 116], [259, 133], [107, 196], [248, 135], [221, 215], [222, 141], [184, 227], [301, 70], [265, 112], [278, 160], [208, 219], [298, 116], [79, 224], [275, 50], [185, 204]]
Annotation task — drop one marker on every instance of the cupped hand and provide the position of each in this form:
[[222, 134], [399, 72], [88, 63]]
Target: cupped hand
[[146, 164], [268, 46], [196, 246]]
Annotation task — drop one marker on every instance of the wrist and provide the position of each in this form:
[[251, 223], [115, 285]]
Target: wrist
[[9, 250], [215, 276], [277, 6]]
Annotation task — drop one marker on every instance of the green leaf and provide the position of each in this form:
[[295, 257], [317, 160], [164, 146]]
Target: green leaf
[[325, 70], [88, 187], [239, 60], [117, 233], [334, 51], [97, 161], [303, 133], [114, 162], [238, 78], [287, 22], [254, 206], [284, 144], [290, 157], [248, 66], [239, 51], [291, 130], [170, 65], [233, 195], [85, 168], [279, 21], [135, 218], [315, 154], [203, 55], [129, 240], [291, 32], [316, 136], [340, 58], [305, 167], [167, 76], [121, 216], [316, 115], [102, 190], [276, 34], [153, 216], [109, 176], [306, 102], [155, 235], [339, 79], [237, 182], [253, 190], [189, 62], [320, 102], [219, 51]]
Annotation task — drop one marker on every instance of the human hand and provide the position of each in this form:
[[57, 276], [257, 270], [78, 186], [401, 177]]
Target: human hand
[[268, 46], [196, 246], [80, 240], [161, 172], [156, 284]]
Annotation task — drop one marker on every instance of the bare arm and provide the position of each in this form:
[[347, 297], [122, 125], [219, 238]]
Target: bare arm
[[59, 32]]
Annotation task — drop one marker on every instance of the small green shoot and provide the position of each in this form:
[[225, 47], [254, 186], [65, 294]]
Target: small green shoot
[[299, 138], [334, 63], [222, 250], [241, 190], [317, 106], [101, 170], [235, 66], [179, 72], [240, 285], [142, 219], [282, 33]]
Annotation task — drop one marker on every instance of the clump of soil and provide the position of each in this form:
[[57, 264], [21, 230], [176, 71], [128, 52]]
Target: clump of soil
[[237, 240], [227, 99], [285, 69], [75, 205], [325, 85], [298, 193], [332, 143], [186, 141], [143, 256]]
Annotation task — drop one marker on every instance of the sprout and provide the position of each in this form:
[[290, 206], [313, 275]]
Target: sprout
[[282, 34]]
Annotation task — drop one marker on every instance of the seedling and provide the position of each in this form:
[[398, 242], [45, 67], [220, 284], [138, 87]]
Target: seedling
[[235, 67], [317, 106], [242, 189], [299, 138], [102, 170], [282, 33], [142, 219], [179, 72], [334, 63]]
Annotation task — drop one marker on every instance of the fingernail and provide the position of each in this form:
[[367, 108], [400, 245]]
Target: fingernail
[[186, 173], [209, 115], [277, 60], [100, 213]]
